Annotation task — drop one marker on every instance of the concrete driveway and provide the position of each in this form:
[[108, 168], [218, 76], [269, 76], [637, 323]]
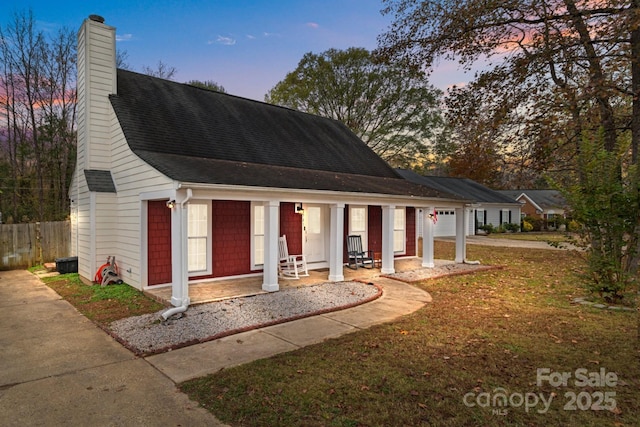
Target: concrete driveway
[[57, 368], [509, 243]]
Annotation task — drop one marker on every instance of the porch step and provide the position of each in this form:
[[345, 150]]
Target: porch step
[[50, 266]]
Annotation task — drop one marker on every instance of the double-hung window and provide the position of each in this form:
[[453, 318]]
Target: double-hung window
[[257, 231], [358, 223], [399, 235], [198, 237]]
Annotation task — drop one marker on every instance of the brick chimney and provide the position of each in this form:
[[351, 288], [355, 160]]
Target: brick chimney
[[96, 81]]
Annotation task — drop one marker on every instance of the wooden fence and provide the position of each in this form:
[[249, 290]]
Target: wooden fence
[[26, 245]]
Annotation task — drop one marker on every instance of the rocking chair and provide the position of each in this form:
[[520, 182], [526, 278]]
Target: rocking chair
[[290, 266], [358, 256]]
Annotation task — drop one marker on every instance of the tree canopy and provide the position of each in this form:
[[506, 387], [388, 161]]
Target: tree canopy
[[394, 110], [37, 113], [560, 88], [555, 68]]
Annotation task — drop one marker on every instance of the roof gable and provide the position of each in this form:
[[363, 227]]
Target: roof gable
[[168, 118], [542, 199]]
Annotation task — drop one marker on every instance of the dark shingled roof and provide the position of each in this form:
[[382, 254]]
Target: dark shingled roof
[[196, 135], [99, 181], [463, 187], [546, 199]]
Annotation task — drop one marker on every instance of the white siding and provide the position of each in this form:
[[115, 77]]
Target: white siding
[[493, 214], [83, 227], [132, 177], [107, 224], [471, 222]]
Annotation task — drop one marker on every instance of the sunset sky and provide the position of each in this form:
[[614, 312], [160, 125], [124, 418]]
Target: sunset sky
[[247, 46]]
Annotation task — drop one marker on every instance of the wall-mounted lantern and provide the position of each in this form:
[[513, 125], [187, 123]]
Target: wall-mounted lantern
[[171, 204], [299, 208]]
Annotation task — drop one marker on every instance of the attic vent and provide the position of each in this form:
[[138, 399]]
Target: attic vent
[[97, 18]]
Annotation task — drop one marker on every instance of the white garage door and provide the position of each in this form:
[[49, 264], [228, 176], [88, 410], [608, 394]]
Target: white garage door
[[446, 224]]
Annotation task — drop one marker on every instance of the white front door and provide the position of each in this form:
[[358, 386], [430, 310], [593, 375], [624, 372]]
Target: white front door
[[313, 243]]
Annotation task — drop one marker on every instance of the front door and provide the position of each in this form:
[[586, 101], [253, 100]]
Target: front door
[[313, 233]]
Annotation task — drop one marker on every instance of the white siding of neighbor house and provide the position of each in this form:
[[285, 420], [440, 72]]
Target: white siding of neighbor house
[[493, 215], [106, 224], [446, 224]]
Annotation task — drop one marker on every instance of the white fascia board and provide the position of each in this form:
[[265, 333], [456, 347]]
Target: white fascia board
[[535, 205], [306, 195]]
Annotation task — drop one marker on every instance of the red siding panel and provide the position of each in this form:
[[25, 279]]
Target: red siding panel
[[158, 243], [231, 238], [291, 226], [410, 226], [375, 228]]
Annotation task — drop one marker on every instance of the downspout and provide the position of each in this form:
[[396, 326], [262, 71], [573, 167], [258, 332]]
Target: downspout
[[185, 279]]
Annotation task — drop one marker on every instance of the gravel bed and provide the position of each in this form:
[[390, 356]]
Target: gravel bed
[[148, 334]]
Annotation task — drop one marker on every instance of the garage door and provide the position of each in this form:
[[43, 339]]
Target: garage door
[[446, 225]]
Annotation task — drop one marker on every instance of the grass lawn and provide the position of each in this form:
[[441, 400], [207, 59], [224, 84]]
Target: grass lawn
[[102, 305], [484, 336]]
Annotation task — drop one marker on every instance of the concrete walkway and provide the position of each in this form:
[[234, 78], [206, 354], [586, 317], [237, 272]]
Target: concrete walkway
[[180, 365], [58, 368]]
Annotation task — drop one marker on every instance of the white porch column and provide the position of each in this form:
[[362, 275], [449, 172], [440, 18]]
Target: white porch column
[[388, 213], [461, 235], [336, 230], [427, 238], [271, 231], [179, 256]]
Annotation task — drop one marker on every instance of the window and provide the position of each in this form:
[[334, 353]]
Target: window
[[198, 232], [505, 216], [399, 224], [257, 225], [480, 217], [358, 223]]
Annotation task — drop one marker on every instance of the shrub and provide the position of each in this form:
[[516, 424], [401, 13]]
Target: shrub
[[514, 228], [607, 204], [526, 225], [573, 226], [487, 228], [537, 223]]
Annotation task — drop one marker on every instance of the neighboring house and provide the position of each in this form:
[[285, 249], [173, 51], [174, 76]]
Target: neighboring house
[[183, 184], [487, 206], [542, 204]]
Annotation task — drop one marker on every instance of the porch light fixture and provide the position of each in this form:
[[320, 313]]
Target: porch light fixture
[[299, 209], [171, 204]]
